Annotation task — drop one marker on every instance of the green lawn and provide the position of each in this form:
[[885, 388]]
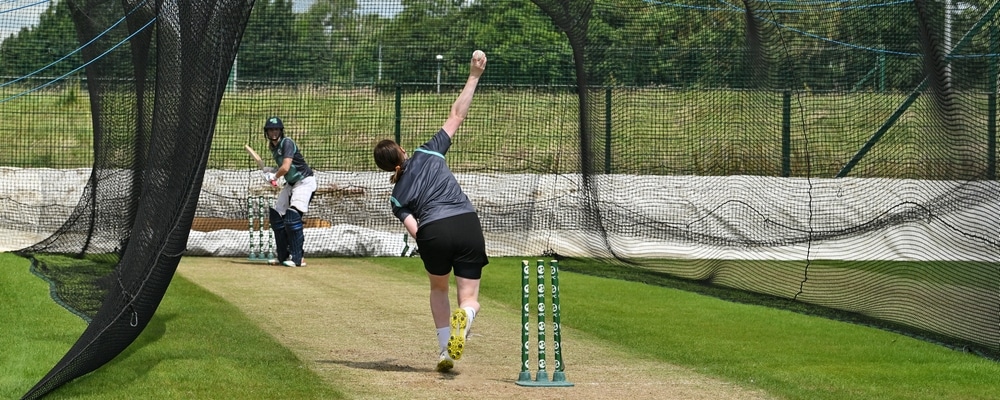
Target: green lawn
[[536, 130]]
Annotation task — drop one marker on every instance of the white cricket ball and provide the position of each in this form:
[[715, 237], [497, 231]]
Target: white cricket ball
[[478, 55]]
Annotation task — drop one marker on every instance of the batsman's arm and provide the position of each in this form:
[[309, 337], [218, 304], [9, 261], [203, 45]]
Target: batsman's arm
[[286, 165]]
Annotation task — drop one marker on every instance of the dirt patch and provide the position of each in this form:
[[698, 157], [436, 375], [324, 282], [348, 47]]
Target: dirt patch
[[363, 328]]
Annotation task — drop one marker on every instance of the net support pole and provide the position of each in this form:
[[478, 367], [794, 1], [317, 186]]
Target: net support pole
[[607, 131], [881, 72], [786, 134], [399, 114], [991, 117]]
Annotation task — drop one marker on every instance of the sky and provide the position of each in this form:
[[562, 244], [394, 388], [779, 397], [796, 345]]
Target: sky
[[15, 14], [387, 8]]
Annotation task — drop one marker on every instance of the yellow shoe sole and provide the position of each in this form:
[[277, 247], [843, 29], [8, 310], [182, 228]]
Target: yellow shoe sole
[[456, 342]]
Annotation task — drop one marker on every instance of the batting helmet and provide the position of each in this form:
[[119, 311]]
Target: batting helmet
[[274, 123]]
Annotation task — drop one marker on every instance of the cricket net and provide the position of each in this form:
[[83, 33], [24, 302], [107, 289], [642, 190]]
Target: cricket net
[[838, 154]]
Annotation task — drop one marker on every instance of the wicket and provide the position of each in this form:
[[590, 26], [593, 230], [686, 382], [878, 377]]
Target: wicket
[[257, 215], [542, 376]]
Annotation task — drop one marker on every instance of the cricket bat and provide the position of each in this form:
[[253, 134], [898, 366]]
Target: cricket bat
[[260, 163]]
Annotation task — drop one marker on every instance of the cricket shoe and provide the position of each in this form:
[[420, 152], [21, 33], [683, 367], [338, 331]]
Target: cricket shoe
[[291, 263], [445, 364], [456, 342]]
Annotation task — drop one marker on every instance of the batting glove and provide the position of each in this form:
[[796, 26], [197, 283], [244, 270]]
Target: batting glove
[[271, 178]]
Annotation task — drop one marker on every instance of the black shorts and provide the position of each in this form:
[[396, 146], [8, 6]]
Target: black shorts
[[453, 242]]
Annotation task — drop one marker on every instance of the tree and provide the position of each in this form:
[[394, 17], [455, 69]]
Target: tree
[[333, 32], [266, 49], [528, 47], [54, 36], [523, 44], [424, 22]]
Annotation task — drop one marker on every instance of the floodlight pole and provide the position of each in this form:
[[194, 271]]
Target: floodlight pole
[[236, 70], [947, 39], [439, 58]]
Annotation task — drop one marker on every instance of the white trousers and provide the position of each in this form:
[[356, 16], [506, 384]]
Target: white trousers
[[297, 195]]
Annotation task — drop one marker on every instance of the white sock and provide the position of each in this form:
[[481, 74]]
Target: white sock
[[443, 335]]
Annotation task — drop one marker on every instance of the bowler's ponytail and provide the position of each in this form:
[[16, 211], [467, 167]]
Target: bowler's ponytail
[[389, 157]]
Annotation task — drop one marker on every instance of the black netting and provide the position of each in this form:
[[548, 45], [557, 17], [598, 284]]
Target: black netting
[[837, 154], [155, 73]]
